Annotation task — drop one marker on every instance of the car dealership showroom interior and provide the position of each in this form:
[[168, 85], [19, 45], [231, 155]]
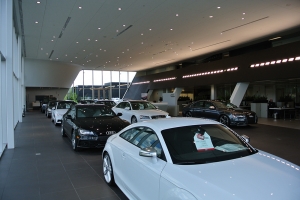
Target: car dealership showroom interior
[[149, 99]]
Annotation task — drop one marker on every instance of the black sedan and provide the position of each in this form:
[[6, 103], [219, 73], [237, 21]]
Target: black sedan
[[89, 125], [251, 116], [217, 110]]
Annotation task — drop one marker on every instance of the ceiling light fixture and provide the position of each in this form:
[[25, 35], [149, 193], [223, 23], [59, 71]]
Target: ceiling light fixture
[[38, 2]]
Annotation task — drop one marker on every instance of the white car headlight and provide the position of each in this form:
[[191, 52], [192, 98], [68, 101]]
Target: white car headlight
[[85, 132], [144, 117]]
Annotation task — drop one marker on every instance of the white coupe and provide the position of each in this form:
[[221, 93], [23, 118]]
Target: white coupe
[[192, 158], [136, 111], [60, 108]]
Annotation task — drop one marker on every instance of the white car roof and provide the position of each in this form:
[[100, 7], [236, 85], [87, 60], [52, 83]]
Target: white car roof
[[168, 123]]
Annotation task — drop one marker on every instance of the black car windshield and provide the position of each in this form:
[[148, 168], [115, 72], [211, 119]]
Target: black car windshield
[[94, 111], [140, 105], [64, 105], [219, 104], [199, 144], [230, 105]]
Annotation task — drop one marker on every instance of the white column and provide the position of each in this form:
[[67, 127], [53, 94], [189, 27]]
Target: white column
[[7, 7], [213, 92], [238, 93]]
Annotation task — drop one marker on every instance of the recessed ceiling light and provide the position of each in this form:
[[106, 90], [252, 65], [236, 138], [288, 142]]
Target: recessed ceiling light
[[243, 18], [150, 29], [124, 25], [42, 49], [36, 22], [244, 13], [176, 15], [52, 40], [211, 16], [218, 7], [77, 42], [38, 2], [80, 7], [89, 39], [99, 28], [96, 40], [171, 29], [120, 9], [142, 33]]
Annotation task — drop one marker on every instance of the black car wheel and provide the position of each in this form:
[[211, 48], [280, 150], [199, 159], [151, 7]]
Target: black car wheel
[[224, 120], [188, 114], [74, 141], [62, 130], [133, 120], [108, 170]]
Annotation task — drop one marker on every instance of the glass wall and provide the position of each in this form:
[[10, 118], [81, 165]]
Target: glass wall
[[97, 84]]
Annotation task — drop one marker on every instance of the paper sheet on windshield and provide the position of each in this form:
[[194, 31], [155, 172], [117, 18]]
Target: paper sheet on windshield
[[203, 142], [230, 147]]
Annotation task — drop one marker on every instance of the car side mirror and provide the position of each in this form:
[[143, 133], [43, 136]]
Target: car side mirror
[[149, 152], [246, 138], [69, 117], [53, 108], [212, 107], [119, 114], [127, 108]]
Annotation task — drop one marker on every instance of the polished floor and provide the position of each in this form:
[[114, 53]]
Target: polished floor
[[43, 165]]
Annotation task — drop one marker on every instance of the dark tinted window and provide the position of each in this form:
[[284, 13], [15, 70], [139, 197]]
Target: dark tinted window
[[204, 144], [143, 137]]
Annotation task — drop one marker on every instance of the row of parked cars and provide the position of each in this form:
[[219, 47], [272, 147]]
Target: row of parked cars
[[178, 157]]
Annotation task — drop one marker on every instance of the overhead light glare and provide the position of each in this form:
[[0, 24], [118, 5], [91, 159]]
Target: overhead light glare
[[291, 59], [278, 61], [276, 38], [297, 58]]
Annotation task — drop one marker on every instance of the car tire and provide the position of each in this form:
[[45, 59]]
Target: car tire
[[74, 141], [224, 120], [62, 130], [188, 114], [108, 170], [133, 119]]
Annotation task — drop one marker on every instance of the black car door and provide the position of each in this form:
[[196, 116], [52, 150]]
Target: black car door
[[69, 118], [197, 109], [210, 111]]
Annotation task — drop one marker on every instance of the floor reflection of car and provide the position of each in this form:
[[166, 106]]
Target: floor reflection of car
[[59, 110], [89, 125], [109, 103], [251, 116], [136, 111], [218, 111], [192, 158]]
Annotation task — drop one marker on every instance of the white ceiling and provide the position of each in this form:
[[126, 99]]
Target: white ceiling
[[136, 34]]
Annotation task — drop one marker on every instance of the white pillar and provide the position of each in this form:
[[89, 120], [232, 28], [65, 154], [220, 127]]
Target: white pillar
[[238, 93], [213, 92], [7, 28]]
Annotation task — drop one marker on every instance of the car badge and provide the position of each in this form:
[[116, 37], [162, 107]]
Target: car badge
[[110, 132]]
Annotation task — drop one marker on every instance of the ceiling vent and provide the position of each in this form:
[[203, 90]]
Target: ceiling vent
[[64, 27], [123, 31]]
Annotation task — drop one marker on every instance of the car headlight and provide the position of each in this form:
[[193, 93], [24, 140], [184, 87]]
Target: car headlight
[[85, 132], [144, 117]]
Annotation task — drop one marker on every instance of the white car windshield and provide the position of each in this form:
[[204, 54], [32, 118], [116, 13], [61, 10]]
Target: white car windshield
[[204, 144], [142, 105]]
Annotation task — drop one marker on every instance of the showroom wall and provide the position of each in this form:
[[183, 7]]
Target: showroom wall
[[47, 73], [11, 77]]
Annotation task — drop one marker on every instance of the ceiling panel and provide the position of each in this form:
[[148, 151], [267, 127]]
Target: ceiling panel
[[115, 33]]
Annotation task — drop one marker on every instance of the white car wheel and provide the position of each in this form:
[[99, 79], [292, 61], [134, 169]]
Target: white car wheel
[[108, 170]]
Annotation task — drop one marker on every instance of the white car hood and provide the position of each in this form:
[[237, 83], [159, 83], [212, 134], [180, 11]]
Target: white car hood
[[259, 176], [61, 111]]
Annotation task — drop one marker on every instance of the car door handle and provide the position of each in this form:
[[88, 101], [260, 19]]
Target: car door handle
[[123, 156]]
